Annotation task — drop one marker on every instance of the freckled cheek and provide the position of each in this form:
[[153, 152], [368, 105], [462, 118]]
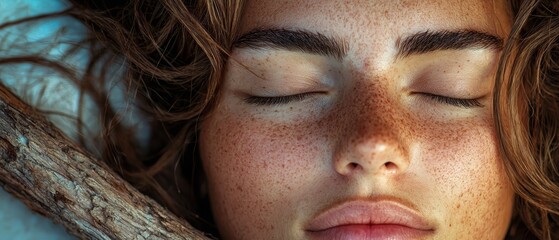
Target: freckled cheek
[[257, 166], [263, 150], [468, 172], [456, 152]]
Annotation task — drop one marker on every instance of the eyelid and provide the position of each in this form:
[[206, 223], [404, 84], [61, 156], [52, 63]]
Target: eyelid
[[458, 102], [278, 100]]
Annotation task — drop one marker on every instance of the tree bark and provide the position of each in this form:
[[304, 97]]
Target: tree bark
[[54, 177]]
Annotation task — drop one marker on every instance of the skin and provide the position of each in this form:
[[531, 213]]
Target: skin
[[368, 132]]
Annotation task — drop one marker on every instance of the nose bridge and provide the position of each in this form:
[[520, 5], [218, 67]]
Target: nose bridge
[[371, 131], [372, 111]]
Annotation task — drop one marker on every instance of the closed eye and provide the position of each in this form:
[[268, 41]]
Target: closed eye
[[458, 102], [279, 100]]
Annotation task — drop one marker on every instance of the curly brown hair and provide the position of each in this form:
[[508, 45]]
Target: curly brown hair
[[526, 104], [175, 50]]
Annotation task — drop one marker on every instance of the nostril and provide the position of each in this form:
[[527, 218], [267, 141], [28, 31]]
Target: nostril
[[391, 167], [353, 165]]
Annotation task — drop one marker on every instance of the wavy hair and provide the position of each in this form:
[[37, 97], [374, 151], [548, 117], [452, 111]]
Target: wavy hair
[[526, 113]]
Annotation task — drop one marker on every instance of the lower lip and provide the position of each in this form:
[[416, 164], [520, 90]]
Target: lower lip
[[366, 231]]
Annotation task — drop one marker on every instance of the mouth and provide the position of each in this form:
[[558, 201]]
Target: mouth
[[362, 219]]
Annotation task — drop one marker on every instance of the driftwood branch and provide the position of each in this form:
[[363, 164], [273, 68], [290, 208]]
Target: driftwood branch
[[52, 176]]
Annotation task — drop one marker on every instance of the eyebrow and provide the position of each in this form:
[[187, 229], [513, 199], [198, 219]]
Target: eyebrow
[[294, 40], [317, 43], [429, 41]]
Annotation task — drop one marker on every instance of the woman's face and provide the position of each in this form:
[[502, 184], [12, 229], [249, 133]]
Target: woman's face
[[386, 131]]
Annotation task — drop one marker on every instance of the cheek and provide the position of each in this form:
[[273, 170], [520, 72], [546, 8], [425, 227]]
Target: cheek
[[259, 173], [256, 170], [464, 164]]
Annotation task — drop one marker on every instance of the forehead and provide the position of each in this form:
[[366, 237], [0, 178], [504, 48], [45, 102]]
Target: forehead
[[372, 28], [380, 16]]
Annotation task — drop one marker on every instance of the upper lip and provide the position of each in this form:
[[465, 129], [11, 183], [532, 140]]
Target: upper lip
[[383, 211]]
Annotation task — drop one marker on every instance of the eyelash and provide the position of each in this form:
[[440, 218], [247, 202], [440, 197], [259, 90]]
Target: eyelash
[[269, 101], [458, 102]]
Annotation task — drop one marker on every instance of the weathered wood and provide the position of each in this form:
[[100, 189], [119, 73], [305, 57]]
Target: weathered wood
[[52, 176]]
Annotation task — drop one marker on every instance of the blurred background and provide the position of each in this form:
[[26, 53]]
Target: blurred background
[[50, 92], [17, 222]]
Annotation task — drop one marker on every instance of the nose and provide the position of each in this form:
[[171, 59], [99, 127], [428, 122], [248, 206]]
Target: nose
[[372, 140], [370, 155]]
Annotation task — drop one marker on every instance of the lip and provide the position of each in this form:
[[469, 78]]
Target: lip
[[385, 218]]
